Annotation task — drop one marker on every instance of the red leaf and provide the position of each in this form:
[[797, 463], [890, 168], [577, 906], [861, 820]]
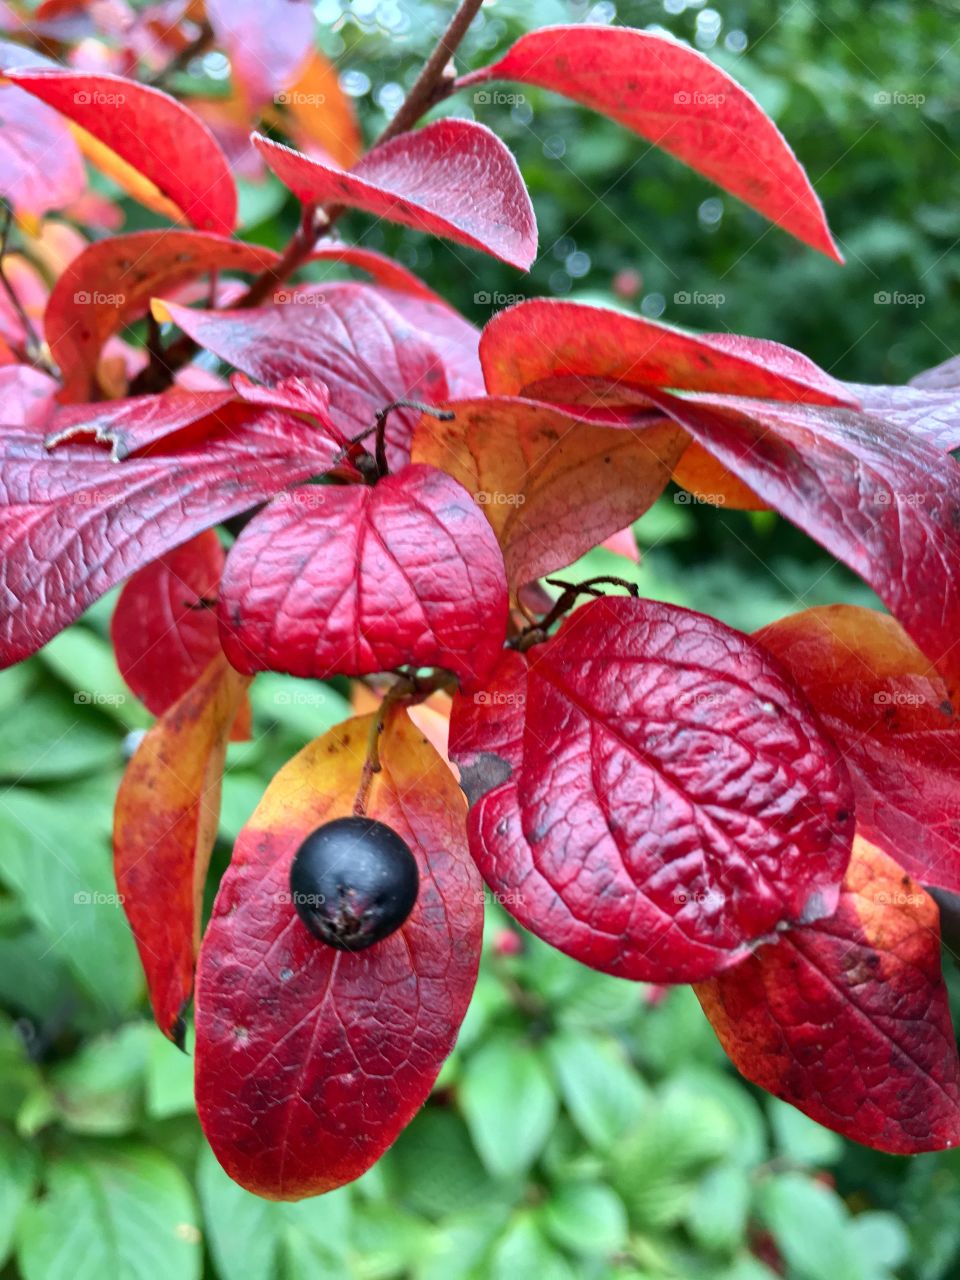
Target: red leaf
[[649, 794], [40, 165], [26, 396], [848, 1018], [884, 502], [73, 524], [349, 338], [453, 337], [301, 396], [164, 629], [355, 579], [164, 828], [891, 716], [111, 283], [265, 40], [134, 424], [310, 1061], [546, 340], [158, 136], [386, 271], [681, 102], [551, 486], [932, 413], [452, 178]]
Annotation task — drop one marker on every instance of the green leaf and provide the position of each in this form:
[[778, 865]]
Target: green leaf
[[717, 1214], [242, 1231], [810, 1226], [586, 1218], [305, 708], [508, 1101], [126, 1213], [55, 738], [169, 1079], [84, 663], [602, 1092], [523, 1251], [434, 1169], [881, 1241], [58, 859], [457, 1246], [100, 1089], [18, 1176], [800, 1139]]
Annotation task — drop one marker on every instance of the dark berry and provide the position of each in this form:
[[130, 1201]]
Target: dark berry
[[353, 882]]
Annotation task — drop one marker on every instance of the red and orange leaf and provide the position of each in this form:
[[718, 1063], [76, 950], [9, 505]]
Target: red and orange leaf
[[152, 132], [891, 715], [452, 178], [111, 283], [848, 1018], [266, 41], [310, 1061], [710, 481], [164, 626], [356, 579], [73, 524], [581, 353], [165, 824], [883, 501], [321, 112], [343, 334], [650, 793], [683, 103], [551, 486]]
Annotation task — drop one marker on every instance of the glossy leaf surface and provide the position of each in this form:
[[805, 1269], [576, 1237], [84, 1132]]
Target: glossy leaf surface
[[650, 794]]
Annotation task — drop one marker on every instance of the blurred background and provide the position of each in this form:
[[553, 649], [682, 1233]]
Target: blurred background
[[585, 1127]]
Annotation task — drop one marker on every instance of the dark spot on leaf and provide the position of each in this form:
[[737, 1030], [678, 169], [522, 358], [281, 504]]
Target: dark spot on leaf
[[487, 771]]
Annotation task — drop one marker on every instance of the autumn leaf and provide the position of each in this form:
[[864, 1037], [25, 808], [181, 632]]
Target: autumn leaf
[[165, 824], [310, 1061], [847, 1019], [650, 793]]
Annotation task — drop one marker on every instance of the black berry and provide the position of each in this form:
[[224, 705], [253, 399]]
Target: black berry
[[353, 882]]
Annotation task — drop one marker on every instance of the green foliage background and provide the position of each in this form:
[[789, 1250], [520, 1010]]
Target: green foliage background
[[585, 1127]]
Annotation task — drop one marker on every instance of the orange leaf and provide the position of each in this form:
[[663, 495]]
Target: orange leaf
[[164, 828]]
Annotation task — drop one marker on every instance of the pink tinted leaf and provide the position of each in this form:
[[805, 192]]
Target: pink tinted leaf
[[265, 40], [650, 793], [356, 579], [683, 103], [26, 396], [551, 340], [73, 524], [309, 1060], [40, 164], [158, 136], [348, 337], [452, 178], [891, 715], [134, 424], [848, 1018], [884, 502], [112, 281], [930, 412]]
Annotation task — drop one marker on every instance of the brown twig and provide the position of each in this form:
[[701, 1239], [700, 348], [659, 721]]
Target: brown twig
[[431, 86], [35, 348]]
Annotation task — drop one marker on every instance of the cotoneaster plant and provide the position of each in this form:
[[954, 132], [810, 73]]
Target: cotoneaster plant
[[659, 796]]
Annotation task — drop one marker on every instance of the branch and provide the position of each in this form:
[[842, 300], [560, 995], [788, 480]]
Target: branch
[[432, 85]]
